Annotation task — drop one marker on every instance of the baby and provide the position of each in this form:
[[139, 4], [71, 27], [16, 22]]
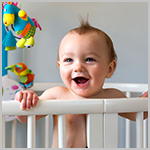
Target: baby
[[86, 57]]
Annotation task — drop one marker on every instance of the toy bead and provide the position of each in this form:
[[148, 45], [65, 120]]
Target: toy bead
[[23, 15]]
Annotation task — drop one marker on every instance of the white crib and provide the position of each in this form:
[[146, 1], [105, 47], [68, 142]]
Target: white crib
[[102, 117]]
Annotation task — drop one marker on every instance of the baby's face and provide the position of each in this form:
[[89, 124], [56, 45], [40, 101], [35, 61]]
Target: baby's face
[[84, 63]]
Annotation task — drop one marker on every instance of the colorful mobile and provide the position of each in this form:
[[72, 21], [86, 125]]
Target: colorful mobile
[[24, 26], [20, 35]]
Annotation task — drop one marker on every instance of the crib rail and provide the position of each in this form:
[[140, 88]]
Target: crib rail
[[55, 107], [100, 112]]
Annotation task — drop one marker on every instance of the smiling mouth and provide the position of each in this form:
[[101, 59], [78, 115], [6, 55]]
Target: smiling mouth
[[80, 80]]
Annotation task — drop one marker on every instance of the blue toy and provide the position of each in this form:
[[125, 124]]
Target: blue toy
[[9, 42], [24, 26]]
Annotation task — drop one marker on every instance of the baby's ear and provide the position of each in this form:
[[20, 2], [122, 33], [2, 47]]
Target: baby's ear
[[58, 63], [111, 68]]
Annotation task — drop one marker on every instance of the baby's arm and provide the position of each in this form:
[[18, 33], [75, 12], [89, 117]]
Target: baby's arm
[[132, 116], [29, 99], [145, 113], [145, 94]]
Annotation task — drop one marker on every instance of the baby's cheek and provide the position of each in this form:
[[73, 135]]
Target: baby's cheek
[[65, 75], [62, 72]]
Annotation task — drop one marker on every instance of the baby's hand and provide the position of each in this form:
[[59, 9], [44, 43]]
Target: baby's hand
[[145, 94], [27, 98]]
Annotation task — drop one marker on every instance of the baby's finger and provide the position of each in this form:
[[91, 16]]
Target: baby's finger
[[19, 96], [29, 101], [23, 103], [35, 100]]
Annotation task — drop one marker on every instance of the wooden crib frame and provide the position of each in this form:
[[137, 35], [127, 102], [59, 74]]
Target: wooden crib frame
[[100, 114]]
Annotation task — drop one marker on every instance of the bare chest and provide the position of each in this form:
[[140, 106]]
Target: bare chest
[[75, 131]]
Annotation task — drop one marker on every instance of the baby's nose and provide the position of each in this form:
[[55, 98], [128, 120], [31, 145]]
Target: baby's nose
[[79, 68]]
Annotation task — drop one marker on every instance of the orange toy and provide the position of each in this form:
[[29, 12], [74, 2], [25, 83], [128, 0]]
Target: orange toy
[[24, 74]]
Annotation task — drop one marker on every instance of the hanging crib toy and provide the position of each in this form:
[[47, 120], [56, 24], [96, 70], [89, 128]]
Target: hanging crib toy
[[24, 26], [24, 74]]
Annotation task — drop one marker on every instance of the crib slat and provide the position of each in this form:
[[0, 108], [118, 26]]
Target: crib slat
[[31, 127], [3, 131], [95, 130], [145, 133], [139, 130], [14, 133], [62, 131], [110, 130], [128, 94], [47, 131], [127, 134]]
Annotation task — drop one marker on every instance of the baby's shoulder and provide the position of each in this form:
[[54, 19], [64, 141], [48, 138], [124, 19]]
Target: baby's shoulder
[[53, 93], [113, 93]]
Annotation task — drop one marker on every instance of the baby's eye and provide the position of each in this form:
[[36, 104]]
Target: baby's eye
[[90, 59], [68, 60]]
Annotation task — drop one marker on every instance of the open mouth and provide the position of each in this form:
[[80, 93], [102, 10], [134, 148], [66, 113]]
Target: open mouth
[[80, 80]]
